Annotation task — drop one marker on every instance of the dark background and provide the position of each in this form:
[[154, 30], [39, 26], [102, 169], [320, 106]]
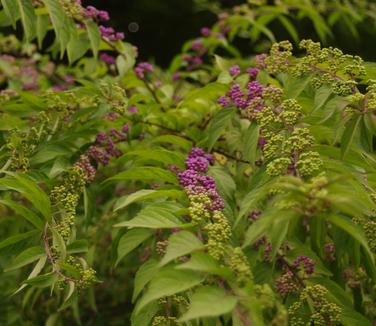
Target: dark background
[[164, 25]]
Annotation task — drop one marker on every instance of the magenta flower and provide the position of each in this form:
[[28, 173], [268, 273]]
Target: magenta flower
[[108, 59], [142, 68], [234, 70]]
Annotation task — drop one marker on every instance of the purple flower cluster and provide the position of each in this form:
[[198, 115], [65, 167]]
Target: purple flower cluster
[[94, 13], [85, 164], [142, 68], [286, 284], [195, 182], [307, 263], [105, 148], [234, 70], [107, 58], [237, 97], [109, 34]]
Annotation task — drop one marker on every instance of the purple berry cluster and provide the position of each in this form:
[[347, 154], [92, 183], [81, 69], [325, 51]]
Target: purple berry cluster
[[107, 59], [304, 262], [109, 34], [94, 13], [291, 280], [195, 181], [105, 145], [239, 98], [142, 68]]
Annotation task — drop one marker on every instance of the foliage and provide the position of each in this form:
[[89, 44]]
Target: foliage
[[225, 190]]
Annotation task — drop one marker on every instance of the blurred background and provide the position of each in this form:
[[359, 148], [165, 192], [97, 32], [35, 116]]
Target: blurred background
[[160, 27]]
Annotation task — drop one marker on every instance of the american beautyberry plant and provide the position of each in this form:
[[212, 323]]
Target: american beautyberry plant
[[225, 190]]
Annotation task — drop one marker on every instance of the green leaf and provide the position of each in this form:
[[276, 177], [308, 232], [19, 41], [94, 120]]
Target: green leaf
[[269, 221], [17, 238], [94, 36], [131, 240], [218, 125], [30, 190], [143, 276], [28, 18], [42, 28], [24, 212], [251, 138], [77, 46], [352, 229], [11, 10], [295, 86], [78, 246], [155, 216], [146, 194], [145, 173], [158, 155], [168, 282], [349, 134], [26, 257], [202, 303], [202, 262], [175, 140], [62, 24], [36, 270], [321, 97], [42, 281], [180, 244]]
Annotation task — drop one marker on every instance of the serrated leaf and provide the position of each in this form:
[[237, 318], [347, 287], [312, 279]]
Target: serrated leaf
[[36, 270], [62, 24], [77, 46], [251, 138], [17, 238], [30, 190], [42, 28], [155, 216], [168, 282], [26, 257], [202, 262], [11, 10], [145, 173], [144, 194], [351, 128], [42, 281], [78, 246], [144, 274], [94, 36], [28, 18], [218, 125], [202, 300], [131, 240], [180, 244], [24, 212]]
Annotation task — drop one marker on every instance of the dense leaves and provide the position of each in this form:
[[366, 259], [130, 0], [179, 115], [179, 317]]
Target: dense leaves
[[225, 190]]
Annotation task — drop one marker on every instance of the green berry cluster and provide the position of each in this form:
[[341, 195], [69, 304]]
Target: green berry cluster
[[66, 196], [115, 96], [198, 207], [369, 226], [324, 312], [73, 9], [163, 321], [326, 65], [84, 276], [239, 265], [277, 61], [219, 233]]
